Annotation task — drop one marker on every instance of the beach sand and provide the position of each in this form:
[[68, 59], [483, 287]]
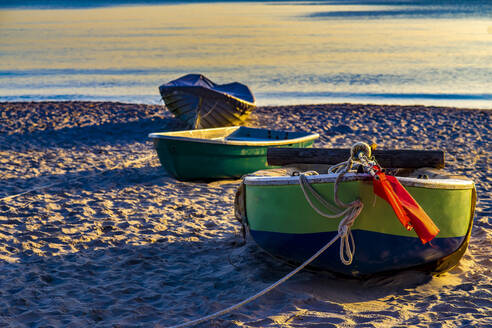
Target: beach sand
[[114, 241]]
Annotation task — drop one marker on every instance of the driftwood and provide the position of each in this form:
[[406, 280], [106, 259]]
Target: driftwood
[[387, 158]]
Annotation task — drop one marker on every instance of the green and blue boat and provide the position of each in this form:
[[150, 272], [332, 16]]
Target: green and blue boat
[[220, 153], [281, 222]]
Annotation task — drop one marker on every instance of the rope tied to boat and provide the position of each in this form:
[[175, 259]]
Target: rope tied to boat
[[349, 212], [360, 158]]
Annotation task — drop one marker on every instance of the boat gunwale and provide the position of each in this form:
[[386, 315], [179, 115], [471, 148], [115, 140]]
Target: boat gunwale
[[164, 135], [452, 184]]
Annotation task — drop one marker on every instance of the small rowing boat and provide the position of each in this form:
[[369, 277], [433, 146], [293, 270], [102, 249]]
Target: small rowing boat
[[218, 153], [284, 219], [201, 103]]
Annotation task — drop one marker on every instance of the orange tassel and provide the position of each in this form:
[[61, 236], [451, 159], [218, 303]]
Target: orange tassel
[[408, 211]]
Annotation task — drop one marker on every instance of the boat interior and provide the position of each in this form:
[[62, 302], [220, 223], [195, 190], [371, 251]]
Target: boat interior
[[235, 133]]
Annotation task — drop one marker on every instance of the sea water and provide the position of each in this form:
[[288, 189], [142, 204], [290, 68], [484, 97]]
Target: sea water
[[394, 52]]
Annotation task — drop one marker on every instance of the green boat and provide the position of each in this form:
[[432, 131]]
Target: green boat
[[218, 153], [281, 222]]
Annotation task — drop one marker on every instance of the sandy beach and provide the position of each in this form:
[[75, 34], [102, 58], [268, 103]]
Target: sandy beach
[[114, 241]]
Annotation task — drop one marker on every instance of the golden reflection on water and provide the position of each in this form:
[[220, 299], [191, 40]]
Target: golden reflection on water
[[244, 41], [230, 34]]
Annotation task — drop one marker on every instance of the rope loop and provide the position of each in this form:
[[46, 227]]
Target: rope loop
[[347, 243], [350, 212]]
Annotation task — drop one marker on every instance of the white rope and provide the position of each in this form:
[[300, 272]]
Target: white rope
[[351, 212], [347, 244], [261, 293], [76, 179], [305, 185], [340, 166]]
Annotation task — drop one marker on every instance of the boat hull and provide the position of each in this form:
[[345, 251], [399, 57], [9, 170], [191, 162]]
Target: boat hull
[[192, 159], [199, 110], [287, 227], [202, 104]]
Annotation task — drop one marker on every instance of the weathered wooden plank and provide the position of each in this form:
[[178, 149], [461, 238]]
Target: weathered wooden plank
[[387, 158]]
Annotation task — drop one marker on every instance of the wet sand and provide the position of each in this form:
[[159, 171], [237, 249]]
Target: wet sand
[[116, 242]]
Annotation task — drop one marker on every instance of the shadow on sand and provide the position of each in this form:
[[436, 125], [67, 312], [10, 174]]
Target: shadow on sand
[[89, 180], [170, 282], [87, 136]]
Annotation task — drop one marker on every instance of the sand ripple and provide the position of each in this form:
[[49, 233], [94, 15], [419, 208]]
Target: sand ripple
[[132, 247]]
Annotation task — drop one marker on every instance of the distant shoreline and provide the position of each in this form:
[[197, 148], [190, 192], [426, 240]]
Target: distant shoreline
[[321, 106]]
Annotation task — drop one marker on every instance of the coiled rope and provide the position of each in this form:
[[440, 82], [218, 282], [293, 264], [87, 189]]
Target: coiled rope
[[347, 244], [349, 214]]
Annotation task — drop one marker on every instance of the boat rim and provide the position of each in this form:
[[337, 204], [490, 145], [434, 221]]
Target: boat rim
[[222, 141], [326, 178]]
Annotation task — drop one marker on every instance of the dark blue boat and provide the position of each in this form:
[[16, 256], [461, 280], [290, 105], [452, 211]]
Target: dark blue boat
[[200, 103]]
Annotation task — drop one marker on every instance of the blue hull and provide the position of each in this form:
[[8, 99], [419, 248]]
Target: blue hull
[[375, 252]]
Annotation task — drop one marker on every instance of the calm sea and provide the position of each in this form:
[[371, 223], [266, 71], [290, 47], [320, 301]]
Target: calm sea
[[395, 52]]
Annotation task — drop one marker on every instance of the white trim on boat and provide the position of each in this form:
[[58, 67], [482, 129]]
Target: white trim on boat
[[327, 178], [180, 136]]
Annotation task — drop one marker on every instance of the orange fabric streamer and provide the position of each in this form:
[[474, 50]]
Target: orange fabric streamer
[[408, 211]]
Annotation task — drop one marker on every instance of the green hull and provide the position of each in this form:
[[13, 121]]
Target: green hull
[[218, 154], [283, 223]]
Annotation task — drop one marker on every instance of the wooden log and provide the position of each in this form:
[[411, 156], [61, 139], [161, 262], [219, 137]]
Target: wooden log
[[387, 158]]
